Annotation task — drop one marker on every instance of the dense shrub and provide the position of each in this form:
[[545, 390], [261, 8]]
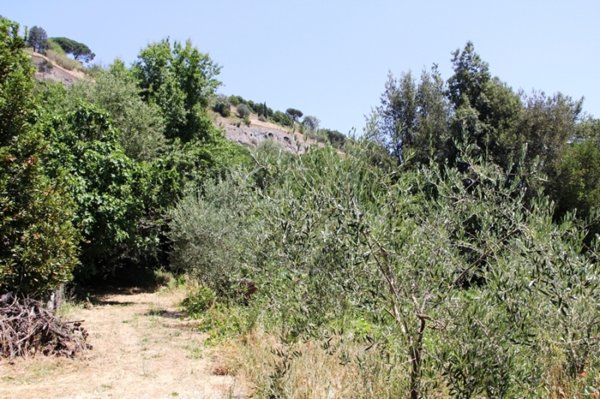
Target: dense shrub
[[236, 100], [140, 126], [452, 267], [39, 242], [104, 183], [212, 234], [282, 119], [38, 247], [199, 301], [223, 107], [243, 110]]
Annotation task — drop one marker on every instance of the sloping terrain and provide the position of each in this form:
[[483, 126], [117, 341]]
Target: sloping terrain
[[252, 135], [46, 69], [143, 348], [260, 131]]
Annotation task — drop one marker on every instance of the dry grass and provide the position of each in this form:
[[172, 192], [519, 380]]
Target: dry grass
[[310, 370], [64, 61], [348, 370], [143, 347]]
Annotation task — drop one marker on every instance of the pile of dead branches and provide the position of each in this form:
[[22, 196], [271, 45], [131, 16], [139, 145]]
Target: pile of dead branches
[[28, 328]]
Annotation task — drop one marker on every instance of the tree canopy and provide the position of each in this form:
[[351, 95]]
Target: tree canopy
[[180, 80], [37, 38], [79, 51]]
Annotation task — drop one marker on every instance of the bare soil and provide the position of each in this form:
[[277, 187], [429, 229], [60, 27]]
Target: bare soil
[[143, 348], [56, 73], [259, 131]]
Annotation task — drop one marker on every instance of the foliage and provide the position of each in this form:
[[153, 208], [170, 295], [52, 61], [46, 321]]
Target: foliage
[[577, 184], [282, 119], [243, 110], [140, 125], [546, 125], [211, 236], [39, 242], [451, 265], [199, 301], [397, 115], [79, 51], [38, 249], [15, 85], [294, 113], [37, 38], [311, 122], [236, 100], [222, 106], [105, 184], [180, 80]]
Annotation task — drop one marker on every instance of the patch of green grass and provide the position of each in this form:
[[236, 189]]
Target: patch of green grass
[[196, 351], [223, 322]]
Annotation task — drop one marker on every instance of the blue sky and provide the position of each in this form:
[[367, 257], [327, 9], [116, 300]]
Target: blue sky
[[330, 58]]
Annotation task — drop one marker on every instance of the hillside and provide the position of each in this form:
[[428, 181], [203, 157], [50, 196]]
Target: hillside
[[46, 69], [251, 136], [260, 131], [452, 252]]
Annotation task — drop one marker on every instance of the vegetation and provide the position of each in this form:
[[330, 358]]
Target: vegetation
[[222, 106], [79, 51], [37, 38], [38, 239], [180, 80], [452, 251], [294, 113], [243, 110]]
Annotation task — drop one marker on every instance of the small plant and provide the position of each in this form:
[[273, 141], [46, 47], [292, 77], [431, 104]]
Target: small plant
[[199, 301], [247, 120]]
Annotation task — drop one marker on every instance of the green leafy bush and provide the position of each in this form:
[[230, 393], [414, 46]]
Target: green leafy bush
[[223, 107], [140, 126], [39, 242], [212, 234], [38, 247], [105, 184], [236, 100], [282, 119], [243, 110], [455, 268], [199, 301]]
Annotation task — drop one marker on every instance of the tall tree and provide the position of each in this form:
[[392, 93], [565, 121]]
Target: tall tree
[[38, 39], [180, 80], [79, 51], [545, 127], [485, 109], [294, 113], [432, 136], [311, 123], [397, 114], [37, 239]]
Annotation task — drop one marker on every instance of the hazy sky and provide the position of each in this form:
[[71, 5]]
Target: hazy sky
[[330, 58]]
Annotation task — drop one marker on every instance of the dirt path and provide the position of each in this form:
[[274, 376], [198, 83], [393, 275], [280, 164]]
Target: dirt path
[[143, 348]]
